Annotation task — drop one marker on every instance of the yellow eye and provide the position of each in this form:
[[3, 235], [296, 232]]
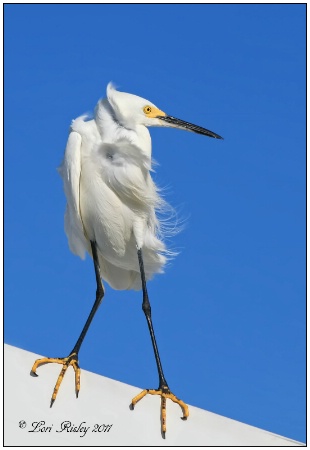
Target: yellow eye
[[147, 110]]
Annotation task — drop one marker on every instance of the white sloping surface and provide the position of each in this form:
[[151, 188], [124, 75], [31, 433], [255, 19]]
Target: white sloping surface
[[105, 401]]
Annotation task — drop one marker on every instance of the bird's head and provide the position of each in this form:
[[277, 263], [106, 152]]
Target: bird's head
[[131, 110]]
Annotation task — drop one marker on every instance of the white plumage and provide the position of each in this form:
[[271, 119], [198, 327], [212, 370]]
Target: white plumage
[[111, 197]]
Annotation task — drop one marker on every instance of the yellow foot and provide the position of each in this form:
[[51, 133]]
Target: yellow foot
[[71, 360], [164, 393]]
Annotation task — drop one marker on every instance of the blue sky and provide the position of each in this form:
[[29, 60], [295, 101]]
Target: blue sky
[[229, 313]]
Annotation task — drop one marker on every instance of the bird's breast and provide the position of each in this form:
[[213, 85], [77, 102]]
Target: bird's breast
[[117, 198]]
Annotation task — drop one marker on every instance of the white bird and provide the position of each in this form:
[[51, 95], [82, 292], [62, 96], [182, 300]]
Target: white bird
[[111, 210]]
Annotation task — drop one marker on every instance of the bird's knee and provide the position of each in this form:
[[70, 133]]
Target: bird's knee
[[146, 307], [100, 292]]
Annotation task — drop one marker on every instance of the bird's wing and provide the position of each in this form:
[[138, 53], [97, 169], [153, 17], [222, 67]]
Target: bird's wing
[[70, 171]]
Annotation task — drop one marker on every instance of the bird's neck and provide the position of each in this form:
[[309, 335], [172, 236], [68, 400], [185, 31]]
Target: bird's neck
[[112, 131]]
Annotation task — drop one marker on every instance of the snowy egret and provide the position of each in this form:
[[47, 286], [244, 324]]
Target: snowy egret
[[111, 210]]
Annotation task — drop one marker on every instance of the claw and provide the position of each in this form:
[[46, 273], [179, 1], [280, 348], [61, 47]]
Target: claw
[[139, 397], [163, 416], [164, 393], [71, 360]]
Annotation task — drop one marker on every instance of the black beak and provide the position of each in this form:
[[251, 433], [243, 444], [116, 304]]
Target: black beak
[[188, 126]]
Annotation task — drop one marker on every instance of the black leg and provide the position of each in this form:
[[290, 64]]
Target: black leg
[[146, 306], [72, 359], [99, 297]]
